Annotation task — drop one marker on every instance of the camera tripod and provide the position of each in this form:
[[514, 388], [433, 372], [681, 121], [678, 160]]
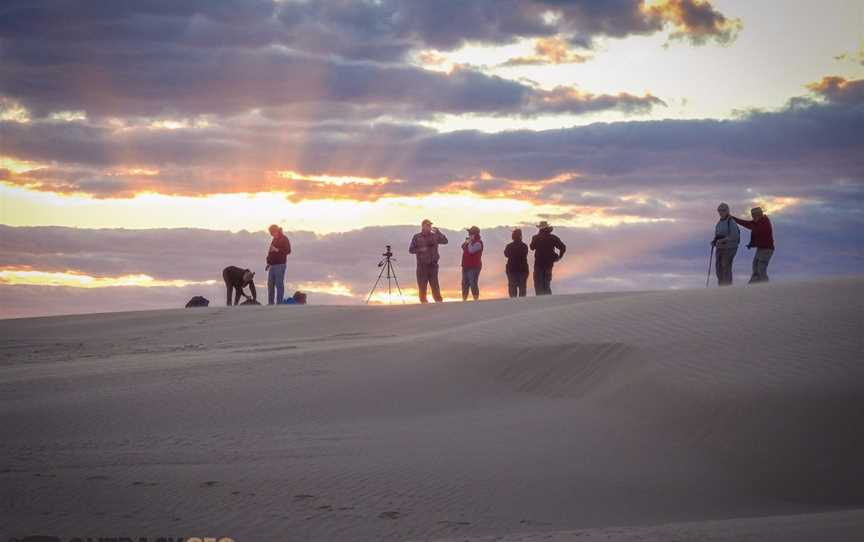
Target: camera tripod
[[386, 265]]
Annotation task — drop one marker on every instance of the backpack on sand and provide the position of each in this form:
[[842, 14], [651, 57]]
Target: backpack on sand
[[198, 301]]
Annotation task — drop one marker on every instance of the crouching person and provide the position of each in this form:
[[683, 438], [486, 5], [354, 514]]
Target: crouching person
[[236, 279], [761, 237]]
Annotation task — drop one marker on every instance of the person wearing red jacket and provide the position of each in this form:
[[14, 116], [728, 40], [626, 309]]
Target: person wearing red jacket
[[761, 237], [472, 254], [277, 255]]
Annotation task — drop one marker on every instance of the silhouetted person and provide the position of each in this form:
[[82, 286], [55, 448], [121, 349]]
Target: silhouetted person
[[236, 279], [425, 246], [472, 263], [544, 244], [277, 255], [726, 239], [517, 265], [761, 237]]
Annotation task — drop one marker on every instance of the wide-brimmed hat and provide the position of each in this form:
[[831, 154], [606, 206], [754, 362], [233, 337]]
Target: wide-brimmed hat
[[543, 225], [473, 230]]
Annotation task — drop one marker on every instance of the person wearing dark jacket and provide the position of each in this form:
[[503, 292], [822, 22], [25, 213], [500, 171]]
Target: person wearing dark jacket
[[472, 262], [277, 256], [517, 265], [425, 246], [544, 244], [761, 237], [237, 278]]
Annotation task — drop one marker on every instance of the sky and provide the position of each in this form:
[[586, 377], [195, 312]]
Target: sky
[[134, 130]]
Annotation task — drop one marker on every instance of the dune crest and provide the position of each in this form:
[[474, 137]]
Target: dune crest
[[682, 410]]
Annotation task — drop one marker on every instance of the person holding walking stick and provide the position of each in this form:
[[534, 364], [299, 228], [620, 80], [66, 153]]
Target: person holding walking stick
[[726, 239]]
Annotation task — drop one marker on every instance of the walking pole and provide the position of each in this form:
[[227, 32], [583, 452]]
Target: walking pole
[[710, 261]]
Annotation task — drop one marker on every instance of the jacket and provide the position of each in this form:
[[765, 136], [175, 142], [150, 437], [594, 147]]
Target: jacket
[[472, 254], [425, 246], [727, 234], [761, 233], [544, 244], [283, 249], [517, 257]]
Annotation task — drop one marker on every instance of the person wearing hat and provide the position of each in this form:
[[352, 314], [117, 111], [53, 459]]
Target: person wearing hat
[[237, 278], [517, 265], [472, 254], [726, 239], [544, 244], [425, 246], [277, 257], [761, 237]]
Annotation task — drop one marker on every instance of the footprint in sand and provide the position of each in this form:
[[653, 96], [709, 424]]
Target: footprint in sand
[[144, 484], [98, 477], [210, 483], [304, 497], [390, 514]]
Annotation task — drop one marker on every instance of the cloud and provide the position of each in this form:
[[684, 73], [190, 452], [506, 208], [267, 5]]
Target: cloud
[[549, 51], [839, 90], [225, 56], [696, 20], [213, 81], [789, 151], [813, 241]]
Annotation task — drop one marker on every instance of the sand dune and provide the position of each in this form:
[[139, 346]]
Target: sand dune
[[732, 414]]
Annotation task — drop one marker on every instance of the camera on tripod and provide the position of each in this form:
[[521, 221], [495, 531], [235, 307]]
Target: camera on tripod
[[387, 266]]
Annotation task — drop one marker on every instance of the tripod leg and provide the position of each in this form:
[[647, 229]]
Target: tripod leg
[[401, 295], [372, 291]]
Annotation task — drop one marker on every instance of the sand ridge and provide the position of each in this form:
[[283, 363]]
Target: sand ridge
[[530, 416]]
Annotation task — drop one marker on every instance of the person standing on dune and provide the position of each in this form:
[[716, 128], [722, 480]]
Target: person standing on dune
[[277, 256], [472, 254], [517, 265], [726, 239], [761, 237], [425, 246], [544, 244]]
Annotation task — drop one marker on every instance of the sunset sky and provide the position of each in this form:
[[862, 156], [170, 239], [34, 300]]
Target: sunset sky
[[159, 139]]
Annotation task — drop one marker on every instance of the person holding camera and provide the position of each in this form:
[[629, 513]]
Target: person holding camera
[[727, 236], [517, 265], [424, 246], [472, 254], [544, 244], [761, 237]]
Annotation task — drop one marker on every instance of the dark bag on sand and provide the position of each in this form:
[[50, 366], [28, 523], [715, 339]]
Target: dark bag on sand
[[250, 302], [198, 301], [299, 298]]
